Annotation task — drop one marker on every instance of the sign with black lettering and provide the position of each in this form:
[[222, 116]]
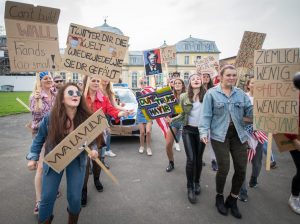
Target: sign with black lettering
[[276, 100], [244, 60], [69, 148], [168, 53], [207, 65], [158, 104], [32, 37], [95, 53]]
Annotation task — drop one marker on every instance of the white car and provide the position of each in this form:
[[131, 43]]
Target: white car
[[127, 126]]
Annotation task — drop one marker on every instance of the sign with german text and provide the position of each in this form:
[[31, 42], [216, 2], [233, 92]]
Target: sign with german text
[[32, 37], [69, 148], [168, 54], [158, 104], [95, 53], [207, 65], [276, 100], [244, 61]]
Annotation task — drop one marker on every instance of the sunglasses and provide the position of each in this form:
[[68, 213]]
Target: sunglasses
[[95, 80], [57, 81], [72, 93]]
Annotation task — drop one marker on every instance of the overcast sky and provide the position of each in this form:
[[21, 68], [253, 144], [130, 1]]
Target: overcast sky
[[149, 23]]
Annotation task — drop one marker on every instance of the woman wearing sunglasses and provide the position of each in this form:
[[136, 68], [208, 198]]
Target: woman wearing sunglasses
[[95, 99], [68, 112], [47, 96]]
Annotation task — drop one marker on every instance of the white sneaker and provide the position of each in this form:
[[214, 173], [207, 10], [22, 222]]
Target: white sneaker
[[141, 149], [294, 203], [110, 154], [149, 152], [177, 147]]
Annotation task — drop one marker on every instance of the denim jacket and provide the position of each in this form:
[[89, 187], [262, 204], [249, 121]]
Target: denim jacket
[[217, 110], [40, 139]]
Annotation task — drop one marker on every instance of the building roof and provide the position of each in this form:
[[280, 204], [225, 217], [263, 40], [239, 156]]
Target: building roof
[[195, 45], [108, 28]]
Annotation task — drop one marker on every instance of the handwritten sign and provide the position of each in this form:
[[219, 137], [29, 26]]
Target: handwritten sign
[[276, 101], [68, 149], [244, 61], [207, 65], [158, 104], [32, 37], [168, 54], [95, 53]]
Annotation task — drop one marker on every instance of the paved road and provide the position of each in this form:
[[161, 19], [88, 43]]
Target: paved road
[[146, 194]]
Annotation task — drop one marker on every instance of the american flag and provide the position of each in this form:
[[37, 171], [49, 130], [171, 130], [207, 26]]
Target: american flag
[[258, 136], [160, 121]]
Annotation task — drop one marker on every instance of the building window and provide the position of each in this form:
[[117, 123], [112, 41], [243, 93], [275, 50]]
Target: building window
[[63, 75], [134, 80], [133, 60], [159, 79], [186, 78], [187, 60], [148, 80], [198, 47], [75, 77], [187, 47]]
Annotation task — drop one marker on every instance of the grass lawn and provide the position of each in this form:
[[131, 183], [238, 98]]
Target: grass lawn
[[9, 105]]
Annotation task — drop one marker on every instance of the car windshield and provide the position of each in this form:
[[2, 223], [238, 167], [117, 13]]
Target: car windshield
[[125, 95]]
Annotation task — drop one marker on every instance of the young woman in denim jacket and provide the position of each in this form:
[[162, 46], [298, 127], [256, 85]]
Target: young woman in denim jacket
[[224, 108], [191, 103], [178, 89], [68, 113]]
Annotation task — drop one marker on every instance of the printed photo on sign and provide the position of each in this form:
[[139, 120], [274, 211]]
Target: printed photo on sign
[[152, 61]]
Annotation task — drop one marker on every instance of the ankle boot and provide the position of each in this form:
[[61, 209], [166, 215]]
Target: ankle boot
[[73, 218], [231, 203], [220, 204], [83, 197], [197, 188], [191, 195], [47, 221], [98, 185], [170, 167]]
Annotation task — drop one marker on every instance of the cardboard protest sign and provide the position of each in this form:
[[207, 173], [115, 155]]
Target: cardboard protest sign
[[95, 53], [152, 62], [168, 54], [68, 148], [276, 101], [32, 37], [207, 65], [244, 61], [283, 143], [158, 104]]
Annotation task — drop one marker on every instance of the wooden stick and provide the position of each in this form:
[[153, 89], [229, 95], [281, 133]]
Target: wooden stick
[[23, 104], [87, 86], [269, 150], [38, 102], [112, 177]]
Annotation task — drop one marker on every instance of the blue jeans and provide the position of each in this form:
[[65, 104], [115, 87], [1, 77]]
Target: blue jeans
[[107, 140], [265, 147], [178, 127], [75, 173]]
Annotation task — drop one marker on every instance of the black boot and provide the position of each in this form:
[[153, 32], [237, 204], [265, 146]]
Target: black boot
[[197, 188], [220, 204], [83, 197], [191, 196], [231, 203], [98, 185], [170, 166]]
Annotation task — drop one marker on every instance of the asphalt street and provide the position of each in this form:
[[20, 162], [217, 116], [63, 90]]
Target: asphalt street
[[146, 193]]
